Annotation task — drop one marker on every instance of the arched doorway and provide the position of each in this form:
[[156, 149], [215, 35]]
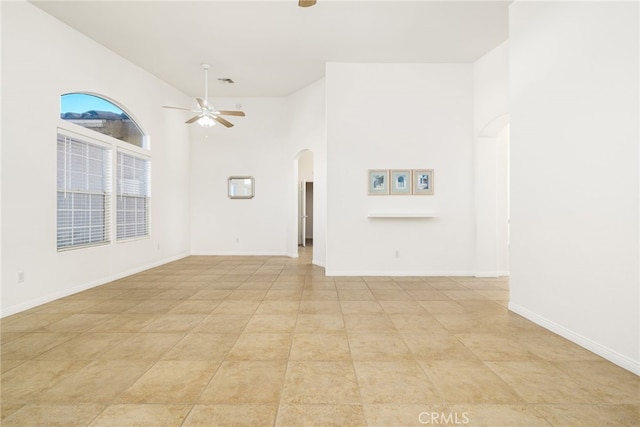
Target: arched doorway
[[492, 199]]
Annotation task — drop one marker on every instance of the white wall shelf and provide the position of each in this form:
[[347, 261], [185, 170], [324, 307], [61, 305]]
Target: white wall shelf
[[401, 215]]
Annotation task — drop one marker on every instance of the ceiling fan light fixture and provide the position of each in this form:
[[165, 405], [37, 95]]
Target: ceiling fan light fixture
[[206, 121], [206, 116]]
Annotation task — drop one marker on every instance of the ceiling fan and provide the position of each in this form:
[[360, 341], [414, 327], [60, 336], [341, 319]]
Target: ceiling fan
[[207, 116], [306, 3]]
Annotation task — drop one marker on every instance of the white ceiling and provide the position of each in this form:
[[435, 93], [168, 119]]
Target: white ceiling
[[274, 47]]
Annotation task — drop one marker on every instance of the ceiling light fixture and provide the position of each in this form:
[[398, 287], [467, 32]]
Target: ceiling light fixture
[[206, 114], [206, 121]]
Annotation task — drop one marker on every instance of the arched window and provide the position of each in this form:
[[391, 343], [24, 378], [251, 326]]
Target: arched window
[[100, 115], [85, 167]]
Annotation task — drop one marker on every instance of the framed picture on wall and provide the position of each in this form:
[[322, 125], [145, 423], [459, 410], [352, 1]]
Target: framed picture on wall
[[241, 187], [400, 181], [378, 181], [423, 182]]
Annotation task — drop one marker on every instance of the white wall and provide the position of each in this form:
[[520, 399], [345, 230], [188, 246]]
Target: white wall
[[400, 116], [490, 112], [42, 59], [502, 201], [574, 172], [305, 166], [256, 146], [265, 144], [490, 87]]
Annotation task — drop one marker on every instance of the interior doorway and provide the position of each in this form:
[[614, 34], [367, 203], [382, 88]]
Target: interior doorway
[[306, 226], [305, 199], [492, 177]]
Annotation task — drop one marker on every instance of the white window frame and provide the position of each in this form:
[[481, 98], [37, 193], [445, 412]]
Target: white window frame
[[79, 132], [120, 195], [66, 189]]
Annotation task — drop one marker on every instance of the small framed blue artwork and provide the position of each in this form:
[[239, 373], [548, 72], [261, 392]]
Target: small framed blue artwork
[[378, 181], [401, 181], [423, 182]]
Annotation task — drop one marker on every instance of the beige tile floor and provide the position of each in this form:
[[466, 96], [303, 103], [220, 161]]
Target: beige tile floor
[[271, 341]]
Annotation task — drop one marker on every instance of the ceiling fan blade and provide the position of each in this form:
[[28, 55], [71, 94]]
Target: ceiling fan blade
[[231, 113], [306, 3], [222, 121], [177, 108], [201, 102], [194, 119]]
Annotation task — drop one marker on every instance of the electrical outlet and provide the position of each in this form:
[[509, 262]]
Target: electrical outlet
[[20, 276], [397, 253]]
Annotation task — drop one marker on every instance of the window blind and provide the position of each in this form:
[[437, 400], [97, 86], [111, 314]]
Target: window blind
[[84, 193], [132, 196]]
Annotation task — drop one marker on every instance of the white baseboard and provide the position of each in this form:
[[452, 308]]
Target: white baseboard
[[8, 311], [597, 348], [492, 274], [398, 273], [317, 262], [238, 253]]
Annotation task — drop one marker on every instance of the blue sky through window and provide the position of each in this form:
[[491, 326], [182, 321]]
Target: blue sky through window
[[102, 116], [81, 102]]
